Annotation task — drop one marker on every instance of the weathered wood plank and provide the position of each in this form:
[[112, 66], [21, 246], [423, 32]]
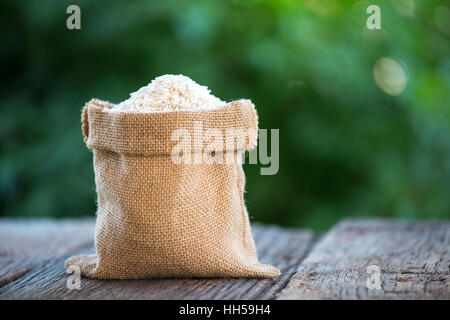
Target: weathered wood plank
[[414, 260], [282, 247], [26, 243]]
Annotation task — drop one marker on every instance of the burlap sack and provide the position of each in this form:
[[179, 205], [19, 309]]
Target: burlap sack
[[156, 218]]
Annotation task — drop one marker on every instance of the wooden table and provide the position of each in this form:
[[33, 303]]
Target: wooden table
[[413, 260]]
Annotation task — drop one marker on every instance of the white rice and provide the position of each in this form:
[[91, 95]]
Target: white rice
[[169, 93]]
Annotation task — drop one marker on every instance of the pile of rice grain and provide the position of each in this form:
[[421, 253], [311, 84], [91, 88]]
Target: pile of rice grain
[[169, 93]]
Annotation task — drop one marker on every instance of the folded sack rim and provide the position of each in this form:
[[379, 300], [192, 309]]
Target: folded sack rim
[[150, 133]]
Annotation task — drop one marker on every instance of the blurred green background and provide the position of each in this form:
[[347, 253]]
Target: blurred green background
[[364, 115]]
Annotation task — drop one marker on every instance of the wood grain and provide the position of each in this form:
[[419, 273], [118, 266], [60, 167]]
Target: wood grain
[[26, 243], [414, 260], [47, 279]]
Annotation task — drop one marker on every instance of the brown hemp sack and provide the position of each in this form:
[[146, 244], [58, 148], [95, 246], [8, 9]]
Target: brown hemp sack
[[156, 218]]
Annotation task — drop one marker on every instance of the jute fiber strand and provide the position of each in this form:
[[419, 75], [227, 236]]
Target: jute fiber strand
[[156, 218]]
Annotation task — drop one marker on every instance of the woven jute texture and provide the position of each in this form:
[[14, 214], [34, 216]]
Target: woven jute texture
[[157, 218]]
